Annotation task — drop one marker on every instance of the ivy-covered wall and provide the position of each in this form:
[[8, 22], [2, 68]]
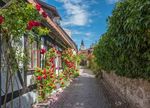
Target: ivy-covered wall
[[125, 47]]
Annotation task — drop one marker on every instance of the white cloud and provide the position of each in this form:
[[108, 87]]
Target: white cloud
[[88, 34], [83, 34], [77, 32], [77, 12], [112, 1]]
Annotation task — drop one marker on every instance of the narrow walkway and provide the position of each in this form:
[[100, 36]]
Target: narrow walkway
[[85, 92]]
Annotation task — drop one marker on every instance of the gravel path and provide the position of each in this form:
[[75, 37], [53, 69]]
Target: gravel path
[[84, 92]]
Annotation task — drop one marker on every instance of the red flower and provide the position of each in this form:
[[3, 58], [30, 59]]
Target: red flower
[[43, 51], [44, 14], [38, 7], [58, 52], [51, 60], [37, 23], [44, 76], [53, 66], [60, 78], [39, 78], [51, 76], [31, 24], [44, 71], [1, 19]]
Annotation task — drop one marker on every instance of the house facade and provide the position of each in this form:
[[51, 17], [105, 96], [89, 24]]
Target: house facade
[[86, 53], [24, 90]]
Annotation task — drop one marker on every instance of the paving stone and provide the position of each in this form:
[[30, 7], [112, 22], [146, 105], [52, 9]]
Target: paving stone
[[84, 92]]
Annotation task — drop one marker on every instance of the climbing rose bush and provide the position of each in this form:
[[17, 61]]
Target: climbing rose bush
[[70, 66], [47, 79]]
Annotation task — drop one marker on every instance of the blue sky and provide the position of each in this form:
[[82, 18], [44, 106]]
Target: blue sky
[[85, 18]]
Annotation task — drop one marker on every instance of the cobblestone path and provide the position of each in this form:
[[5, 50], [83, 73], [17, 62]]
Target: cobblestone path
[[84, 92]]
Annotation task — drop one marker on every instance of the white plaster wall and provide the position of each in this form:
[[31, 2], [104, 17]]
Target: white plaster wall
[[16, 83], [25, 101]]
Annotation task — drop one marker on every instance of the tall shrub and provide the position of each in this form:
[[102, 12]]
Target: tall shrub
[[125, 47]]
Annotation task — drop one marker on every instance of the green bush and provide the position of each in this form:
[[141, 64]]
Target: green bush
[[76, 74], [125, 47]]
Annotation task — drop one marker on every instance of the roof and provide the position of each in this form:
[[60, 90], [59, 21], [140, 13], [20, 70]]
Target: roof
[[49, 7]]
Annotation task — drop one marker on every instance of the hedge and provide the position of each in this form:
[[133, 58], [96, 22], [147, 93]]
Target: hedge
[[125, 47]]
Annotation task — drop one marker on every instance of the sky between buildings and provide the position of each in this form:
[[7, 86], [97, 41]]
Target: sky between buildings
[[85, 18]]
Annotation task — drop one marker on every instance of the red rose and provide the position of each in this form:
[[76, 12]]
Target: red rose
[[58, 52], [39, 78], [44, 71], [44, 76], [44, 14], [38, 7], [1, 19], [31, 24], [37, 23], [51, 60], [43, 51], [51, 76], [60, 78], [53, 66]]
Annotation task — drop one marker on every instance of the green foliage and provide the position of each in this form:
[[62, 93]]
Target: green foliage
[[125, 47], [82, 57], [17, 16]]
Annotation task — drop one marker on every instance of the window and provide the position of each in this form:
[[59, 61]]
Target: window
[[34, 56]]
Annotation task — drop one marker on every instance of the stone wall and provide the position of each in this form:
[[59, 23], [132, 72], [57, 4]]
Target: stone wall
[[136, 91]]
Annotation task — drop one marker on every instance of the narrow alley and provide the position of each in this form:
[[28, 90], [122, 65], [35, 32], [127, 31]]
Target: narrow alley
[[88, 92]]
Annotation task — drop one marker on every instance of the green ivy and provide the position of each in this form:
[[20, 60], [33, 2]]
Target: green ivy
[[125, 47]]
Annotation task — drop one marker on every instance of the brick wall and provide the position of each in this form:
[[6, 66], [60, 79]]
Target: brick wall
[[136, 91]]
